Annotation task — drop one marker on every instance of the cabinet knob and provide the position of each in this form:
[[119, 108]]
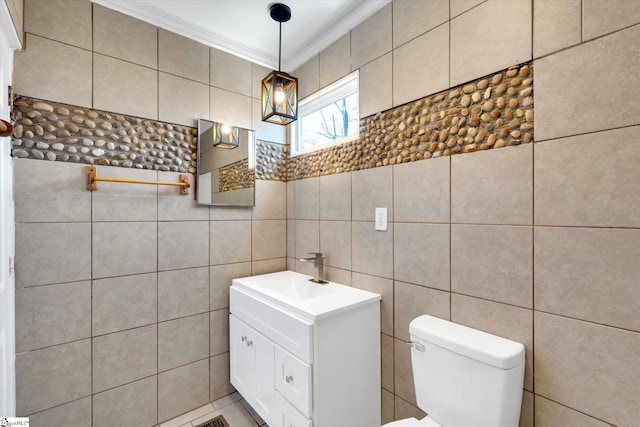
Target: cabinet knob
[[289, 379], [243, 338], [249, 343]]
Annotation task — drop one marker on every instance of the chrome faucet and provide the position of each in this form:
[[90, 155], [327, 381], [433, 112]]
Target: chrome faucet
[[318, 265]]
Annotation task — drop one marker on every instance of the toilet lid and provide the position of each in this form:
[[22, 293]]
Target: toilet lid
[[412, 422]]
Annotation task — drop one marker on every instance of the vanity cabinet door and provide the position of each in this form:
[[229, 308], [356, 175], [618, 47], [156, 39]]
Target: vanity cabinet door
[[242, 358], [252, 367]]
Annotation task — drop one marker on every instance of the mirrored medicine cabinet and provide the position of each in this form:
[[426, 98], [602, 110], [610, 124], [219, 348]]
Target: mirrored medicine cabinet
[[226, 165]]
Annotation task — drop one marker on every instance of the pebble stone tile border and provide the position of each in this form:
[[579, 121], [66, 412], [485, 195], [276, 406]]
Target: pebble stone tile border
[[492, 112], [61, 132], [236, 176]]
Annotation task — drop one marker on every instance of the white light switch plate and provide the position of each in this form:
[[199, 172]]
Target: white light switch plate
[[381, 219]]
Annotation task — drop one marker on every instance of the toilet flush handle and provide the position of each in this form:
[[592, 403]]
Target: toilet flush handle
[[416, 345]]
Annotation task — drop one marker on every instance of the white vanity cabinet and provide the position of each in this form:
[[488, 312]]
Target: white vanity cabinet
[[303, 354]]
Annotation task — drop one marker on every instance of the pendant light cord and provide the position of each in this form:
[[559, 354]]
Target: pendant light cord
[[280, 48]]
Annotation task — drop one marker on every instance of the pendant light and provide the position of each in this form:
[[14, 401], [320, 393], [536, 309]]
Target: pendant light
[[279, 89], [225, 136]]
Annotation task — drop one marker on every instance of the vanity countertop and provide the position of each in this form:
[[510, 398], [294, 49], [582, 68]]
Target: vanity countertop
[[307, 299]]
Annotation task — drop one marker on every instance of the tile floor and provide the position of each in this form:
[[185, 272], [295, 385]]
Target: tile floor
[[234, 408]]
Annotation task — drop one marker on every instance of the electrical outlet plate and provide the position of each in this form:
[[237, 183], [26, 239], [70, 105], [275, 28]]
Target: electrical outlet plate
[[381, 219]]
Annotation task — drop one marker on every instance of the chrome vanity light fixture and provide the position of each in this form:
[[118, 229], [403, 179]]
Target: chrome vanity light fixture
[[279, 89], [225, 136]]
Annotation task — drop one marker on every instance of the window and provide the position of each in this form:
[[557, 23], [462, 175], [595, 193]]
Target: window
[[328, 117]]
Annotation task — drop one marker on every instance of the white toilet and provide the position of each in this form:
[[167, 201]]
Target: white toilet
[[464, 377]]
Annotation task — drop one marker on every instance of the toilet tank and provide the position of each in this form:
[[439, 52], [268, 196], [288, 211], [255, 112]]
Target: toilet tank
[[464, 377]]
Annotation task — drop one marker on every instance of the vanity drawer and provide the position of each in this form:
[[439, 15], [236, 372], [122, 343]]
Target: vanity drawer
[[293, 380], [288, 416], [289, 332]]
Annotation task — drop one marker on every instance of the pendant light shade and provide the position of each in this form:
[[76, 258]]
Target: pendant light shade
[[279, 89]]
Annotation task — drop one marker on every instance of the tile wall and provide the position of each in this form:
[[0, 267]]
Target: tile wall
[[122, 293], [537, 243]]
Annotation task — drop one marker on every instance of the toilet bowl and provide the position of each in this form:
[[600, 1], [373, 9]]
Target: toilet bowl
[[464, 377]]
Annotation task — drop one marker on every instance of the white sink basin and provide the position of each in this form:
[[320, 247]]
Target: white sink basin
[[296, 292]]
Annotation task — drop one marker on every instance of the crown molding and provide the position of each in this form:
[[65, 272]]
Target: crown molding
[[185, 28], [361, 10]]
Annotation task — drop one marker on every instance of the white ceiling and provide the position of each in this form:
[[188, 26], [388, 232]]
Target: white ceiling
[[244, 27]]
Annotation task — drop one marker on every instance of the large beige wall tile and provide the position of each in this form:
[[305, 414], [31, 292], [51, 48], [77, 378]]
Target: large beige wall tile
[[335, 61], [493, 187], [173, 240], [307, 198], [183, 341], [271, 200], [219, 332], [556, 25], [592, 368], [229, 213], [527, 410], [492, 36], [76, 413], [372, 251], [576, 267], [60, 20], [404, 386], [307, 238], [265, 266], [460, 6], [50, 315], [607, 66], [589, 180], [230, 241], [335, 197], [220, 280], [416, 74], [134, 203], [52, 376], [219, 377], [124, 37], [124, 87], [131, 404], [230, 108], [335, 243], [507, 321], [376, 86], [268, 239], [173, 206], [412, 18], [381, 286], [600, 18], [50, 192], [308, 77], [182, 292], [291, 207], [183, 57], [421, 191], [372, 38], [411, 301], [53, 70], [370, 189], [552, 414], [126, 302], [404, 409], [386, 361], [421, 254], [493, 262], [230, 72], [182, 101], [124, 357], [258, 72], [134, 251], [183, 389], [52, 253]]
